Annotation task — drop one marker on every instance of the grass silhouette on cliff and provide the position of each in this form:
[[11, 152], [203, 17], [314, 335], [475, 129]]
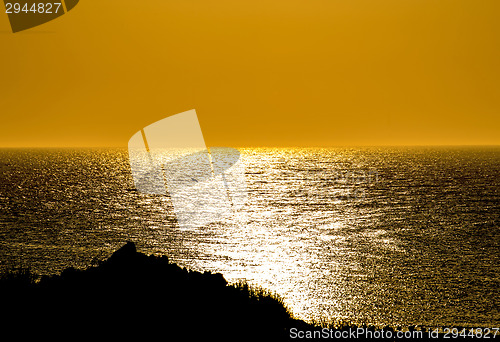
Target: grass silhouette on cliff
[[134, 294]]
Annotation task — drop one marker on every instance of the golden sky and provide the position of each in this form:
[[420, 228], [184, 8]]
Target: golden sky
[[258, 72]]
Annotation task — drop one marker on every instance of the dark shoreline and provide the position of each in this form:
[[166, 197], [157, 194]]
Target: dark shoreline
[[132, 294]]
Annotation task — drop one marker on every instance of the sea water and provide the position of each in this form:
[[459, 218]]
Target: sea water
[[384, 236]]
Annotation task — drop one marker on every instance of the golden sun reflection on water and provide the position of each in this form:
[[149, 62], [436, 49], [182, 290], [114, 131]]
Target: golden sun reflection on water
[[329, 251], [377, 236]]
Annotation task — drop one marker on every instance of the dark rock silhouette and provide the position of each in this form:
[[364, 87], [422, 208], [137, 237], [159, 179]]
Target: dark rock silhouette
[[132, 294]]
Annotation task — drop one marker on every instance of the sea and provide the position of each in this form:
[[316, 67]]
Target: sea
[[392, 236]]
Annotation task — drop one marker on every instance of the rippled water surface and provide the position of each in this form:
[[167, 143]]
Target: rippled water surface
[[383, 236]]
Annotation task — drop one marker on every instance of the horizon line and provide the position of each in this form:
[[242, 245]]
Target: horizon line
[[268, 146]]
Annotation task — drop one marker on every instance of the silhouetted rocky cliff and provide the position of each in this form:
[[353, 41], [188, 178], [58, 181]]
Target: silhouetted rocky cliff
[[138, 297], [132, 294]]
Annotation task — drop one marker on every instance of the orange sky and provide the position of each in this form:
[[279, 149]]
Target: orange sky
[[259, 72]]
